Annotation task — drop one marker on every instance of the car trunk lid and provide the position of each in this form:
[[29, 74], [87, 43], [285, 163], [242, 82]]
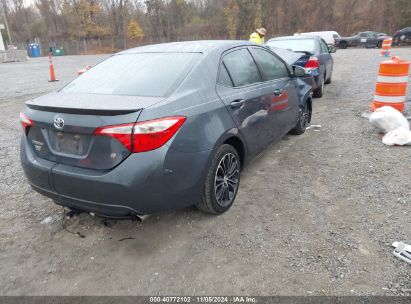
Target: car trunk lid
[[302, 61], [63, 127]]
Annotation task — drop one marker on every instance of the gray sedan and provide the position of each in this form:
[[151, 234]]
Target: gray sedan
[[161, 127]]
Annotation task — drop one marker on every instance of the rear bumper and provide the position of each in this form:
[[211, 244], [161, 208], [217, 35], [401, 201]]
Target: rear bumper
[[144, 183], [105, 210], [316, 78], [396, 39]]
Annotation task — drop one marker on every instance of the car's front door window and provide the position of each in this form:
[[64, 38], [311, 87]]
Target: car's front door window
[[271, 66]]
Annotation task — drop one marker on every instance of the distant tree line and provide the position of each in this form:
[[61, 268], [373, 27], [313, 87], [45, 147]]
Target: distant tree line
[[117, 24]]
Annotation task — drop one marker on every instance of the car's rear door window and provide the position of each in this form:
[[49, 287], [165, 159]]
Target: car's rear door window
[[139, 74], [224, 78], [323, 47], [242, 68], [271, 66]]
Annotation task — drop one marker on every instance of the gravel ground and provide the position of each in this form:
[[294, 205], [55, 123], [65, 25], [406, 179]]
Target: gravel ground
[[315, 215]]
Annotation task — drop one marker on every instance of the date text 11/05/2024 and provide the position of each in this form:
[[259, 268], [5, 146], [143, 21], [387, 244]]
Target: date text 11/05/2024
[[202, 299]]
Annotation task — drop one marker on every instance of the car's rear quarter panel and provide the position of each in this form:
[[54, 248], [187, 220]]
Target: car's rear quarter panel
[[208, 124]]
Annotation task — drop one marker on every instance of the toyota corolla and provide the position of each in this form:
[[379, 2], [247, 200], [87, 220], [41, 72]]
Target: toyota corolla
[[161, 127]]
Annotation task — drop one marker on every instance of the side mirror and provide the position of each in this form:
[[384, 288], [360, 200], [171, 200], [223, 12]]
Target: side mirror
[[299, 71], [332, 49]]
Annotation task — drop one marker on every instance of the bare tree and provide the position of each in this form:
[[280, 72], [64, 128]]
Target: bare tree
[[104, 23]]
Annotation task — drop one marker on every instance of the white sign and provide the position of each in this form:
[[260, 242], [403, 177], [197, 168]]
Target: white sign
[[2, 26]]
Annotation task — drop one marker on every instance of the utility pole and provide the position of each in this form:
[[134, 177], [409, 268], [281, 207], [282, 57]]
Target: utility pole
[[5, 22]]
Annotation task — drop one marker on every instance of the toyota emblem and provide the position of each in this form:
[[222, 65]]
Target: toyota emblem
[[59, 123]]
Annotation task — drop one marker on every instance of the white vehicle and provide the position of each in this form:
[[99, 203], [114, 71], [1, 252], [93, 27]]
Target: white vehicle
[[328, 36]]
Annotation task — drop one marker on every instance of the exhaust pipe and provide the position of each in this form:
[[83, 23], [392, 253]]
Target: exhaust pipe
[[141, 218], [133, 217]]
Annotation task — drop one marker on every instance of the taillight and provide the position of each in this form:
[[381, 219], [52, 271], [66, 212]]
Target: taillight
[[312, 63], [146, 135], [150, 135], [25, 122], [120, 132]]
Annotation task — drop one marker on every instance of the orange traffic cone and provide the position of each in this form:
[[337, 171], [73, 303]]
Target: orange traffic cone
[[52, 74]]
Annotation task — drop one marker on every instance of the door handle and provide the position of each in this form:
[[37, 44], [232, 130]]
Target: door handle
[[237, 103], [278, 92]]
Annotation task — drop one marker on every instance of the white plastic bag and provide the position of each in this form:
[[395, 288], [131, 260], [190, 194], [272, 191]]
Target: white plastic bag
[[400, 136], [386, 119]]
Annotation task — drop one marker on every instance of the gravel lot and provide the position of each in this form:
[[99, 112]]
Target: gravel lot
[[315, 215]]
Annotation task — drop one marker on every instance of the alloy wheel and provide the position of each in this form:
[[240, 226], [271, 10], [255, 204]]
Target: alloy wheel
[[304, 117], [226, 179]]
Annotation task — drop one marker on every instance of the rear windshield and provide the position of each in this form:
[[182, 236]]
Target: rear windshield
[[305, 45], [142, 74]]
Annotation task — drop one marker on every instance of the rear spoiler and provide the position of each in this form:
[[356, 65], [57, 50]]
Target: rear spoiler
[[104, 112]]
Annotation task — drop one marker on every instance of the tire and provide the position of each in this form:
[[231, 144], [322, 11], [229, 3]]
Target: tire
[[343, 45], [303, 120], [222, 181], [318, 92], [379, 45], [329, 80]]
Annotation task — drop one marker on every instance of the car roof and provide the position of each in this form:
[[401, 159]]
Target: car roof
[[315, 32], [200, 46], [295, 37]]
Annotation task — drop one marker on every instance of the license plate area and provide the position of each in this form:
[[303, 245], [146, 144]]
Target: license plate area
[[69, 143]]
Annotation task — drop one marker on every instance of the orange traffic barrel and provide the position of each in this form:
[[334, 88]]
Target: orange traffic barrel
[[386, 47], [391, 88]]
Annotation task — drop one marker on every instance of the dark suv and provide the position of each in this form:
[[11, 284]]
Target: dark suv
[[402, 36], [366, 39]]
